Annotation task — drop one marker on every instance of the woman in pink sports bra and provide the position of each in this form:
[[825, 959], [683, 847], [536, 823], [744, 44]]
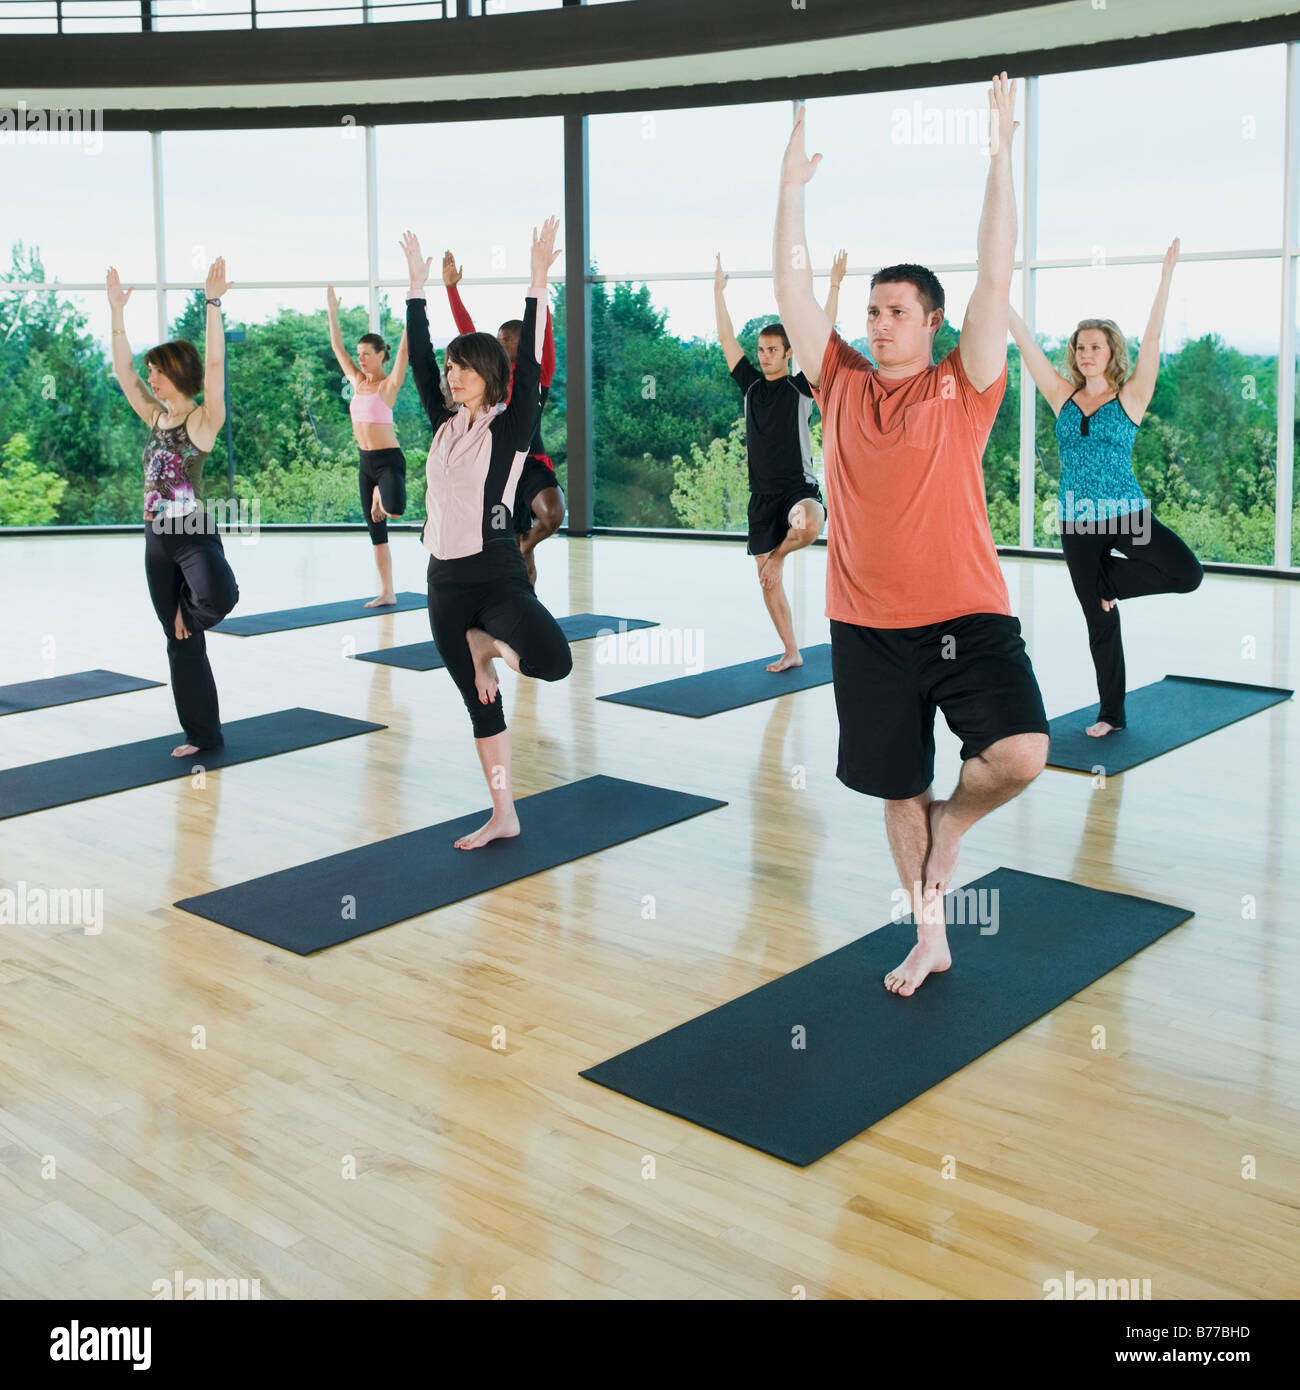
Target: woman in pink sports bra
[[383, 465]]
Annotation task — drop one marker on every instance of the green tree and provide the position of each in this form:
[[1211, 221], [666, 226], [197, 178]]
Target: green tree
[[28, 496]]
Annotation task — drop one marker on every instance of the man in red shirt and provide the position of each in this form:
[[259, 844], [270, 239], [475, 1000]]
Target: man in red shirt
[[920, 617]]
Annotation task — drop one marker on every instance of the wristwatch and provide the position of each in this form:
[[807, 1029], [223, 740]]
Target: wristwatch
[[216, 303]]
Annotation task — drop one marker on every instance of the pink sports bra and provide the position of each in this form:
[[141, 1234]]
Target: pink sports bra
[[370, 408]]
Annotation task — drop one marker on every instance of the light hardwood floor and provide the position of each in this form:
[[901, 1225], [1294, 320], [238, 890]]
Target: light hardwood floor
[[478, 1168]]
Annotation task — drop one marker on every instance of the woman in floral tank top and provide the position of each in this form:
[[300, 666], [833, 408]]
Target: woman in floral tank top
[[190, 581]]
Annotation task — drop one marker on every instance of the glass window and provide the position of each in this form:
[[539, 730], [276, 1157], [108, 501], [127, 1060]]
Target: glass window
[[101, 16], [902, 175], [462, 208], [50, 187], [277, 204], [286, 14], [1206, 451], [670, 189], [70, 445], [32, 17], [172, 15], [1131, 157]]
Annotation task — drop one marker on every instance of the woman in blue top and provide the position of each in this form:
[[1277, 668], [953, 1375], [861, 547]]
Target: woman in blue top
[[1100, 504]]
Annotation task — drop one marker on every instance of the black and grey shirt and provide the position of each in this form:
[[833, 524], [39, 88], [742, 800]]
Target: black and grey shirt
[[777, 416]]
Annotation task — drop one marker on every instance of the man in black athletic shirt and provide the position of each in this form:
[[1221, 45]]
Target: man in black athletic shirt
[[786, 511]]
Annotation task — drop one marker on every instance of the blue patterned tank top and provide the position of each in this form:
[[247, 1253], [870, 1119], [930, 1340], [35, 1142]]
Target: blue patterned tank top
[[172, 468], [1097, 478]]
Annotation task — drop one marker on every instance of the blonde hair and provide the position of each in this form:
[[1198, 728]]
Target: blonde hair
[[1116, 371]]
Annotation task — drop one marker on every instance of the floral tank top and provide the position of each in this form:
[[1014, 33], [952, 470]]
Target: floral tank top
[[172, 469]]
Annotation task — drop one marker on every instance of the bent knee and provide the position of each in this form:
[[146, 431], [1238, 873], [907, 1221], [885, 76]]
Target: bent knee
[[1019, 758], [559, 666]]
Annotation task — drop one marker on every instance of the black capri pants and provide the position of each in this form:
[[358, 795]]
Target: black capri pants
[[189, 570], [386, 470], [505, 607]]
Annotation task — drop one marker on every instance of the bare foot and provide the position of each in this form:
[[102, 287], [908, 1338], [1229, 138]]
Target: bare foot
[[377, 512], [186, 750], [929, 956], [500, 827], [182, 632], [383, 601], [787, 661], [770, 575], [1100, 729], [941, 862], [484, 651], [1108, 603]]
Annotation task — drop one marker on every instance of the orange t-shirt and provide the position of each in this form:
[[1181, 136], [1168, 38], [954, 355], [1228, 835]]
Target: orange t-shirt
[[908, 534]]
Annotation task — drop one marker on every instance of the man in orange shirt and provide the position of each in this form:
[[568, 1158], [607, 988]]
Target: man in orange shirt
[[920, 617]]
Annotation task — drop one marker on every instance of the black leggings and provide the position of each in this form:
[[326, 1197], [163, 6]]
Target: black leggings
[[1161, 565], [507, 608], [190, 571], [385, 469]]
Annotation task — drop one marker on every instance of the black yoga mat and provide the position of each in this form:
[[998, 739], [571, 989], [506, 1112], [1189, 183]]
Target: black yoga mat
[[38, 786], [346, 895], [67, 690], [866, 1052], [424, 656], [285, 619], [1161, 717], [730, 687]]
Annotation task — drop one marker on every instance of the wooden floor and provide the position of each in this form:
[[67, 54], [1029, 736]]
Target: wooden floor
[[126, 1153]]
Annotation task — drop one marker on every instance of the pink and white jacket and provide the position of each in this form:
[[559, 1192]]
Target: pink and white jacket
[[474, 468]]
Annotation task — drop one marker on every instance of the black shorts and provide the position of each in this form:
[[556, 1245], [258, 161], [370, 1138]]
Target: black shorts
[[769, 515], [889, 682], [535, 477]]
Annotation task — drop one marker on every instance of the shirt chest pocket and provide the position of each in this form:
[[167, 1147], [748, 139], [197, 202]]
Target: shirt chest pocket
[[923, 425]]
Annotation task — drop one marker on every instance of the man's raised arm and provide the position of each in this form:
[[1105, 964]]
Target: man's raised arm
[[983, 342], [805, 320]]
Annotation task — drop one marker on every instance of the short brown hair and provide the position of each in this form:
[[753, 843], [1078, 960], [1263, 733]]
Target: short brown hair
[[482, 353], [775, 330], [923, 280], [1117, 368], [180, 363]]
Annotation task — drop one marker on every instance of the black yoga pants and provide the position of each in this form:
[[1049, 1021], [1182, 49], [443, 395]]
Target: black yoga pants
[[507, 608], [386, 470], [190, 571], [1156, 562]]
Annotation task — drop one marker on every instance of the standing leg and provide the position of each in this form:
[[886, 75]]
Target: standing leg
[[803, 521], [1085, 557], [189, 576], [368, 483], [452, 608]]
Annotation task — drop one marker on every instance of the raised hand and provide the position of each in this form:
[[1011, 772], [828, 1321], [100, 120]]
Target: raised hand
[[1002, 111], [838, 266], [1171, 259], [117, 296], [416, 261], [332, 299], [451, 272], [217, 283], [720, 277], [543, 251], [796, 167]]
